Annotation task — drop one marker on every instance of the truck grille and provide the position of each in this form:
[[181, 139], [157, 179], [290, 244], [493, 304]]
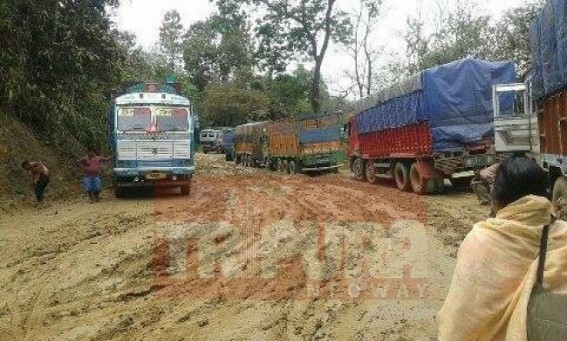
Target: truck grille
[[153, 151]]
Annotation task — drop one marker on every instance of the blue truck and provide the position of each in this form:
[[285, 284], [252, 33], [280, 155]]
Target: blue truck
[[228, 144], [153, 139]]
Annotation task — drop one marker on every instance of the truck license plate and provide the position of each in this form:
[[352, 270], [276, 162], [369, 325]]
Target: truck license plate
[[156, 176]]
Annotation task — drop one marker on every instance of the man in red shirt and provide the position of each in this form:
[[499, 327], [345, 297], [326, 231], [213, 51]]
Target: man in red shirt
[[91, 165]]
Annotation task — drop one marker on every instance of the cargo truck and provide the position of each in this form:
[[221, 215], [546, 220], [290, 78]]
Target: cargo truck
[[308, 143], [435, 125], [209, 140], [152, 135], [250, 144], [539, 127]]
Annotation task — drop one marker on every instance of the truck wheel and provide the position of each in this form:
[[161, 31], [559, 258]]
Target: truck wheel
[[205, 151], [237, 159], [285, 167], [559, 197], [370, 172], [418, 183], [186, 189], [402, 177], [359, 173], [294, 167]]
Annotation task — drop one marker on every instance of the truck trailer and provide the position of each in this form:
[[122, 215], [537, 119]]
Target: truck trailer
[[249, 143], [434, 125]]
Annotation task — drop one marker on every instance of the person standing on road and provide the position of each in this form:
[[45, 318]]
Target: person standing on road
[[499, 263], [92, 182], [40, 177]]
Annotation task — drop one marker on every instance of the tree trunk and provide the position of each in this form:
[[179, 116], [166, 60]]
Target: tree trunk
[[316, 87]]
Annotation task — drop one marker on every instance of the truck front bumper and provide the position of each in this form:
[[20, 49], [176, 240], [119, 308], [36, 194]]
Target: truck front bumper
[[148, 184], [139, 177]]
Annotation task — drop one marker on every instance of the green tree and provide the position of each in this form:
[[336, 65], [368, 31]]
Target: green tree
[[217, 50], [228, 105], [302, 29], [58, 66], [510, 35], [171, 39]]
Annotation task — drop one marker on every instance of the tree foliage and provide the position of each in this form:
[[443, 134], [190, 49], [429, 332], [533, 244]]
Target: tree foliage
[[464, 31], [58, 66], [301, 29], [171, 39]]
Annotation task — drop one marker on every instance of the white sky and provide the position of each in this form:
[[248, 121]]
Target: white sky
[[144, 17]]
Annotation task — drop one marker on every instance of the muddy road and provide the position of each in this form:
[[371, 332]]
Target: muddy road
[[248, 255]]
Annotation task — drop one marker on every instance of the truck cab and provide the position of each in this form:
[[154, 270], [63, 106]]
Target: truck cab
[[152, 135]]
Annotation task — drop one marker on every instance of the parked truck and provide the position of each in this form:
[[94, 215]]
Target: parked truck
[[152, 135], [308, 143], [539, 125], [209, 140], [228, 144], [434, 125], [250, 144]]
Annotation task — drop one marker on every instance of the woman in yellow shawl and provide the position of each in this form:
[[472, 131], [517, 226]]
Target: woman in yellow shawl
[[497, 261]]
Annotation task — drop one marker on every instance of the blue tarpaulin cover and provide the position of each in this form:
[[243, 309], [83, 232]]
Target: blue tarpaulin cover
[[456, 100], [548, 39]]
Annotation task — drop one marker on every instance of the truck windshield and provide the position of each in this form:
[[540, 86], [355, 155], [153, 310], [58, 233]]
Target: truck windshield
[[134, 118], [172, 119]]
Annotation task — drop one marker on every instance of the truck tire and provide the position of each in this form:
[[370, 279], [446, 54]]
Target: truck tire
[[294, 167], [359, 169], [418, 183], [285, 167], [559, 197], [279, 165], [186, 189], [401, 174], [237, 159], [370, 172]]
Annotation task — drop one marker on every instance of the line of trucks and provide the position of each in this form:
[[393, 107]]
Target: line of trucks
[[307, 143], [442, 123]]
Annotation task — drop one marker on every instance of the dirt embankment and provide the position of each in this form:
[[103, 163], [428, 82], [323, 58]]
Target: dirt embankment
[[18, 143], [249, 255]]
